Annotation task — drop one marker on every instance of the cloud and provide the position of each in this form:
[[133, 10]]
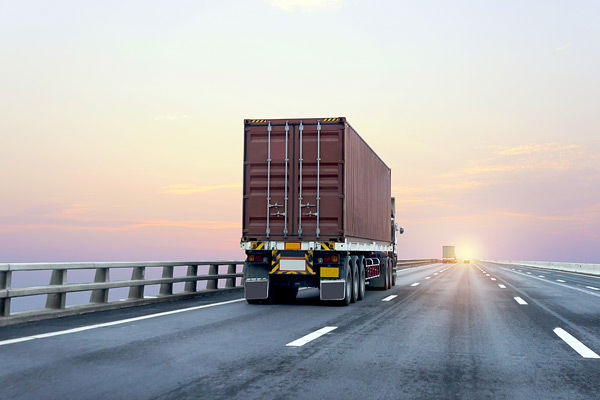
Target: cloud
[[561, 48], [528, 157], [579, 218], [189, 188], [535, 148], [107, 226], [171, 117], [305, 5]]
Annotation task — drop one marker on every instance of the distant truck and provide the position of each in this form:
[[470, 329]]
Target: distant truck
[[317, 211], [448, 254]]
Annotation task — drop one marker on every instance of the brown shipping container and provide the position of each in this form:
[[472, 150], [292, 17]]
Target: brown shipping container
[[353, 183]]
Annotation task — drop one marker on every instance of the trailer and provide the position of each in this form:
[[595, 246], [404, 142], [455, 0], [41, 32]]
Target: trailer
[[317, 211], [448, 254]]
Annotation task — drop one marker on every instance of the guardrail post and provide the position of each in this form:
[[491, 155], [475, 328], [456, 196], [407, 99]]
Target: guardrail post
[[191, 286], [5, 278], [212, 270], [166, 289], [100, 295], [57, 300], [137, 274], [230, 282], [243, 282]]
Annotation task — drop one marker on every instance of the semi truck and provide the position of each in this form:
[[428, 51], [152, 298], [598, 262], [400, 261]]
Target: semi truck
[[448, 254], [317, 211]]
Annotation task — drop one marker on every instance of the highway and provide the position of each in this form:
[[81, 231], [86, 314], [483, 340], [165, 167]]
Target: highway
[[445, 331]]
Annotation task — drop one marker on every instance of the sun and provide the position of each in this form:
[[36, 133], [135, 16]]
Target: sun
[[468, 249]]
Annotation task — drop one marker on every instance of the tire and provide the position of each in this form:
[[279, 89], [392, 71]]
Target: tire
[[393, 274], [387, 276], [362, 278], [348, 294], [355, 279]]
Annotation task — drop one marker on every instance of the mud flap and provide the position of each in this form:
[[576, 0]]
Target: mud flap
[[333, 289], [256, 289]]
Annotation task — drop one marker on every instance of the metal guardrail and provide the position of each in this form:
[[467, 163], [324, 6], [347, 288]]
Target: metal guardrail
[[584, 268], [57, 288], [416, 263]]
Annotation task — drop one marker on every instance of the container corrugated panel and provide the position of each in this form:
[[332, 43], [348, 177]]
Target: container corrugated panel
[[354, 185]]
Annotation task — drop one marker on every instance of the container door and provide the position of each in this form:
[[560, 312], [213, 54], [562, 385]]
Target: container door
[[318, 180], [267, 180]]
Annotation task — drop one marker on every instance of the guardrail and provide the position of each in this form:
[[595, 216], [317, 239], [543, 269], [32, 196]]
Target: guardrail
[[57, 288], [416, 263], [593, 269]]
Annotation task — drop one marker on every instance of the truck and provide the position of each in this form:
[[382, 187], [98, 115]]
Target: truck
[[317, 212], [448, 254]]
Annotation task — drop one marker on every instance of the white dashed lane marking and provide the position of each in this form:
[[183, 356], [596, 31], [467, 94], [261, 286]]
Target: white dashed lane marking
[[520, 301], [575, 344], [311, 336], [415, 284], [593, 288], [501, 286], [390, 297], [560, 280]]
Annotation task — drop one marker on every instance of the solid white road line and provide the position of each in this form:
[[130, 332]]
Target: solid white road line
[[415, 284], [593, 288], [428, 277], [575, 344], [311, 336], [390, 297], [580, 289], [493, 279], [520, 301], [560, 280], [119, 322]]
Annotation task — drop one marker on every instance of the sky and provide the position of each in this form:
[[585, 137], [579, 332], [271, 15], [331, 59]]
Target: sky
[[122, 121]]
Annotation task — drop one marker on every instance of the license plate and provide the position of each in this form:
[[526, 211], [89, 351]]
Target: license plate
[[292, 264]]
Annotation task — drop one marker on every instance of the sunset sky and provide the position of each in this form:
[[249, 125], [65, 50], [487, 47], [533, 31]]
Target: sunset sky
[[121, 133]]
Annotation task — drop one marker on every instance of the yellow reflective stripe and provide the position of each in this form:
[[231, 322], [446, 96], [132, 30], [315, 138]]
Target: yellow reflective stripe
[[260, 245]]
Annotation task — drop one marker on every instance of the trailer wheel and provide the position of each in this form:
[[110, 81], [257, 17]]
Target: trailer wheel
[[387, 275], [348, 291], [355, 279], [362, 277], [393, 273]]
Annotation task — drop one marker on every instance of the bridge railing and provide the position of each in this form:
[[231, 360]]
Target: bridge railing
[[415, 263], [55, 292], [57, 288]]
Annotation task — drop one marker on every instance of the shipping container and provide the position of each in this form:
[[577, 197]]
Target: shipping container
[[313, 180], [317, 211], [448, 254]]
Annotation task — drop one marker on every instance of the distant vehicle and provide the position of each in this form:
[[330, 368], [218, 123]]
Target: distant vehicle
[[466, 261], [448, 254], [317, 211]]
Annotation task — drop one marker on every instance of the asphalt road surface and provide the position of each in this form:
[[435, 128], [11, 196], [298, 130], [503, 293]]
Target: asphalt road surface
[[445, 331]]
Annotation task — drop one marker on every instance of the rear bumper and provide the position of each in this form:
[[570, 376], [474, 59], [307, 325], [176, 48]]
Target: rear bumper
[[333, 289]]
